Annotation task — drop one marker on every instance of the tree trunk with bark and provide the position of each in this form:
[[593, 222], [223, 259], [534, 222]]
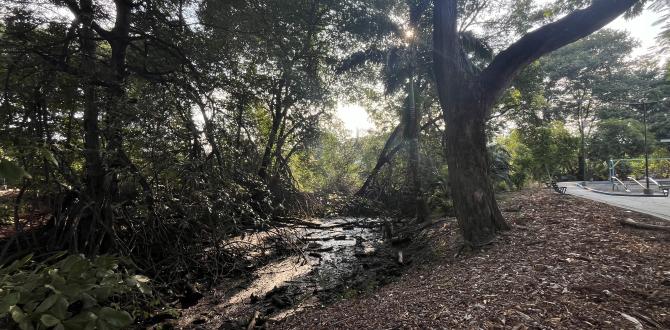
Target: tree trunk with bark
[[472, 191], [93, 167], [278, 112], [581, 159], [467, 97], [413, 175]]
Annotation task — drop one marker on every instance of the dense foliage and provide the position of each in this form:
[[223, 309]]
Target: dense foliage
[[71, 293]]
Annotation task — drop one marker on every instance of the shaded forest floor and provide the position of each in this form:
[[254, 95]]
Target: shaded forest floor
[[31, 217], [567, 264]]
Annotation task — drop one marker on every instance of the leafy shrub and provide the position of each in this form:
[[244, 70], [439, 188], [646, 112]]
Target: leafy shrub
[[439, 197], [69, 292]]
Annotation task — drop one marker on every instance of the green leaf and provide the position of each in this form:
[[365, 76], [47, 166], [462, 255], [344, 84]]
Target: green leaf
[[48, 155], [59, 309], [56, 255], [139, 281], [79, 267], [106, 262], [47, 303], [102, 325], [8, 301], [52, 288], [18, 263], [17, 314], [81, 320], [115, 318], [548, 13], [88, 300], [26, 325], [29, 307], [74, 289], [12, 171], [33, 283], [141, 278], [49, 320]]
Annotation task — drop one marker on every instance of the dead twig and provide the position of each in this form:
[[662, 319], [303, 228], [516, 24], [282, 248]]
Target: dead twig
[[252, 323]]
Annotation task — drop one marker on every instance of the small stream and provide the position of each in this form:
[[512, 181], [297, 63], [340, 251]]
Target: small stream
[[335, 253], [340, 258]]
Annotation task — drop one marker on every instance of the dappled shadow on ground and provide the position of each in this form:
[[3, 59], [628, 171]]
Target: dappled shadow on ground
[[567, 263]]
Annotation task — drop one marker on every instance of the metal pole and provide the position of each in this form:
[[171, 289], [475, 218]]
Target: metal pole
[[646, 149], [583, 143]]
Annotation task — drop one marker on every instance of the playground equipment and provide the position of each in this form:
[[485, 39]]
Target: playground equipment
[[638, 182], [615, 182], [655, 182], [648, 179]]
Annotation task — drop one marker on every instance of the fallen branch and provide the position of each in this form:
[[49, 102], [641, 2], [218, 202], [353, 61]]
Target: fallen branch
[[297, 222], [647, 319], [635, 224]]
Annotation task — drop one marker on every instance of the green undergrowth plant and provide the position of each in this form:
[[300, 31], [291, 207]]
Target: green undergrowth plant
[[72, 292]]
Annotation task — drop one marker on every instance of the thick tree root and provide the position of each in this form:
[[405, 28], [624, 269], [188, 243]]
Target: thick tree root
[[635, 224]]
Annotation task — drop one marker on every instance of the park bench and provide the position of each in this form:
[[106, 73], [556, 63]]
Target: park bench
[[560, 190]]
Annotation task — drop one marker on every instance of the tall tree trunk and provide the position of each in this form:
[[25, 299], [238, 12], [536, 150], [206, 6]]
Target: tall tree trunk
[[267, 153], [460, 97], [93, 167], [467, 97], [119, 39], [278, 114], [479, 217], [582, 155], [413, 175], [241, 103]]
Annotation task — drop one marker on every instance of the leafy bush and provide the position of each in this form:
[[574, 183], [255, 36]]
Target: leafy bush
[[440, 196], [500, 167], [659, 166], [69, 292]]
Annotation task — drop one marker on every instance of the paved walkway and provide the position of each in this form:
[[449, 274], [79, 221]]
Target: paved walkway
[[656, 206]]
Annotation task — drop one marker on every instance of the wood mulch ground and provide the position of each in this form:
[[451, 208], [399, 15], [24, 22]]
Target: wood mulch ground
[[567, 264]]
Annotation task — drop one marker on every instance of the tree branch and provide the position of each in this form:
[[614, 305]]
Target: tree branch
[[580, 23], [445, 50], [77, 12]]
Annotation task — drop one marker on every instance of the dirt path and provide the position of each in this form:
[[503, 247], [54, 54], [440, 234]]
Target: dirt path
[[567, 264]]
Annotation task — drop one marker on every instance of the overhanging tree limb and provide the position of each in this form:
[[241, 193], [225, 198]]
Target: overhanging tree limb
[[580, 23]]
